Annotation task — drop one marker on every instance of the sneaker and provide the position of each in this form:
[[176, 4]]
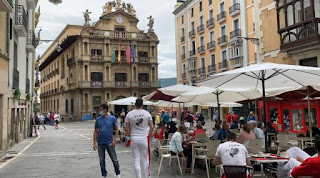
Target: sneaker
[[118, 176]]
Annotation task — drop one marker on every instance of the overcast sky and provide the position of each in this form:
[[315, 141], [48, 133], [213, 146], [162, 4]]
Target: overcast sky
[[54, 18]]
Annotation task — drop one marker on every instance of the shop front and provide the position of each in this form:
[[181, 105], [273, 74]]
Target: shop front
[[292, 116]]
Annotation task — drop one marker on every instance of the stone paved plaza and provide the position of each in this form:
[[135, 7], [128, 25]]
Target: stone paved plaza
[[67, 153]]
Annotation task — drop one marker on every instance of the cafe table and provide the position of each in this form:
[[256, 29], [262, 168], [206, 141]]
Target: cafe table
[[265, 159], [196, 144]]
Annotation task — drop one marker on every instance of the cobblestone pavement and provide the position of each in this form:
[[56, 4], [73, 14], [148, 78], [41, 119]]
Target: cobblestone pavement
[[68, 153]]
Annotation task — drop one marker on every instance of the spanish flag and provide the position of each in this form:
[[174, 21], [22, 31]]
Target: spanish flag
[[119, 54]]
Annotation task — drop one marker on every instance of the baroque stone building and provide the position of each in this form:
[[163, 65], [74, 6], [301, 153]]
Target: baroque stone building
[[109, 60]]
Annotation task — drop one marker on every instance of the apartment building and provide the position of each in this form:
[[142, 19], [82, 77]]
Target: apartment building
[[17, 54], [209, 37], [93, 65]]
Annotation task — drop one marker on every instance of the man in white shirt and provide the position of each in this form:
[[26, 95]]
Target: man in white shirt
[[139, 126], [257, 131], [41, 120], [57, 119], [232, 153]]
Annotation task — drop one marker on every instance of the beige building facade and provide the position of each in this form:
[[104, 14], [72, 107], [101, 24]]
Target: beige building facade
[[83, 75], [17, 54], [215, 36]]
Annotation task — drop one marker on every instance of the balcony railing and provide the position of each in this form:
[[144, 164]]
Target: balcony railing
[[235, 9], [235, 33], [96, 84], [144, 60], [184, 75], [201, 49], [210, 23], [211, 45], [96, 58], [237, 62], [27, 85], [200, 29], [21, 16], [222, 16], [223, 65], [120, 84], [212, 68], [144, 84], [192, 72], [15, 83], [202, 70], [31, 38], [192, 52], [183, 56], [118, 34], [222, 40], [183, 38], [192, 33]]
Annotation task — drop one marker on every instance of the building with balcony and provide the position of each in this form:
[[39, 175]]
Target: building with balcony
[[93, 66], [16, 60], [213, 44]]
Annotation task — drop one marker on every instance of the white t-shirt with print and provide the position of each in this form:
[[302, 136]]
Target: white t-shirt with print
[[139, 122], [57, 117], [232, 153]]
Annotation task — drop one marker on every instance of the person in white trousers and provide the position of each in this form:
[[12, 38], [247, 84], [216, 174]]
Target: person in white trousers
[[139, 128], [297, 157]]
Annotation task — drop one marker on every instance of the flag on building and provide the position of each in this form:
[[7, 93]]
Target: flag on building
[[119, 54], [133, 54], [113, 58], [128, 54]]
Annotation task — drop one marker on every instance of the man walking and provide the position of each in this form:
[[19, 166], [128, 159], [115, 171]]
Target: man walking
[[103, 130], [57, 120], [41, 120], [139, 125]]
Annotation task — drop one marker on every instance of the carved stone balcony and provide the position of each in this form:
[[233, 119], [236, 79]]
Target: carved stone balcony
[[192, 33], [200, 29], [192, 53], [210, 23], [212, 68], [184, 75], [183, 38], [21, 23], [201, 49], [234, 34], [223, 66], [211, 45], [202, 71], [223, 40], [237, 62], [31, 41]]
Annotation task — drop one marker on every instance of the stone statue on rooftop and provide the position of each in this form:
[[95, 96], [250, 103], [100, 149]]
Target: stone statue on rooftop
[[124, 6], [107, 8], [87, 19], [151, 22], [118, 5]]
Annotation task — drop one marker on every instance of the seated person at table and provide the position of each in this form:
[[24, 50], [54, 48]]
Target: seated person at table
[[158, 135], [297, 157], [246, 135], [172, 129], [199, 130], [176, 147], [234, 125], [216, 132], [232, 153], [223, 132], [257, 131]]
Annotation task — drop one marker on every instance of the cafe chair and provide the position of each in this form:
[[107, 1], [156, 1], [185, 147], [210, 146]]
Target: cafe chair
[[209, 154], [255, 146], [232, 171], [284, 142], [201, 136], [169, 156]]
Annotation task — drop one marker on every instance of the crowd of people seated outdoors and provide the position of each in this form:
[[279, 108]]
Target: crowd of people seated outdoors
[[233, 147]]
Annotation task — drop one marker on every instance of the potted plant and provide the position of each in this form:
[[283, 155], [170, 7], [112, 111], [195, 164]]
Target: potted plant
[[17, 94]]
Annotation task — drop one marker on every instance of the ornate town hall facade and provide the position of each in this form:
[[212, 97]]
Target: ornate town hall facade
[[93, 64]]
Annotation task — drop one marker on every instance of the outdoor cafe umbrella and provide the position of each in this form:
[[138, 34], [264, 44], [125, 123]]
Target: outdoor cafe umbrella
[[129, 101], [265, 76], [168, 93], [204, 95]]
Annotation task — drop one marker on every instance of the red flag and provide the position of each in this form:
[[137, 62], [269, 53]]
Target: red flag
[[128, 54]]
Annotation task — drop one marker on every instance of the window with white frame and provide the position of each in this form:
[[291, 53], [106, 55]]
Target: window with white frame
[[224, 55], [210, 14], [182, 19], [210, 2], [203, 63], [192, 25], [192, 64], [223, 31], [183, 51], [192, 12], [182, 32], [200, 6], [183, 68], [201, 41], [201, 20], [222, 7], [211, 36], [213, 59], [236, 24], [234, 50]]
